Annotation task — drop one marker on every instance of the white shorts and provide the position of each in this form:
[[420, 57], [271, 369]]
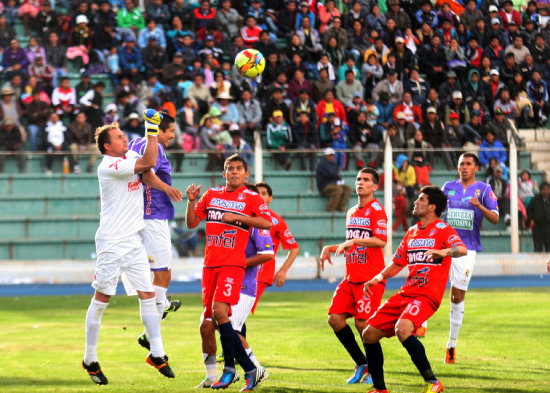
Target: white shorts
[[240, 311], [462, 270], [158, 244], [115, 257]]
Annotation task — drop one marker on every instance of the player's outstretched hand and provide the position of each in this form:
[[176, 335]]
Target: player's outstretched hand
[[152, 120], [193, 192], [343, 247], [279, 279], [325, 257], [174, 194], [368, 285]]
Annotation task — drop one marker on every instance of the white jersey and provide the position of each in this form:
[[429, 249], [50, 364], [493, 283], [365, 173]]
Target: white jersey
[[121, 194]]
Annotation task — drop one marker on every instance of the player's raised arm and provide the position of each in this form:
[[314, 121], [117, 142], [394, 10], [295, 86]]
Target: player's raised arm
[[256, 222], [191, 217], [150, 155], [151, 179]]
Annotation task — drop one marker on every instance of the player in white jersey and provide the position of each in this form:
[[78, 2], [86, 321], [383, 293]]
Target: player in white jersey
[[118, 244]]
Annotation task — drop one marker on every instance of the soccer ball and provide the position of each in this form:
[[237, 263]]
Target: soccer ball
[[250, 63]]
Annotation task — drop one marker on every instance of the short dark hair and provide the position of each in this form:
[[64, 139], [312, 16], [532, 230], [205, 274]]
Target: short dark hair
[[472, 155], [251, 187], [165, 122], [266, 186], [435, 197], [372, 171], [544, 184], [235, 157]]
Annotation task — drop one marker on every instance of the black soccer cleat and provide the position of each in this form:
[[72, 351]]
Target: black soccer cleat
[[94, 371], [161, 364], [174, 306], [144, 342]]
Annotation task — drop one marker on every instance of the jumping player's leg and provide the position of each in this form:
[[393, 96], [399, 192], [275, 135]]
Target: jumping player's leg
[[371, 337], [97, 306], [161, 281]]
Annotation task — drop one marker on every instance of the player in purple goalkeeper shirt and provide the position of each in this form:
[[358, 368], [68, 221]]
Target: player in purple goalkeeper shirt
[[468, 202], [259, 249], [158, 195]]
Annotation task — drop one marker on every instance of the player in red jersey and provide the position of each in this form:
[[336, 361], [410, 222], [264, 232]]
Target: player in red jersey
[[366, 234], [230, 211], [427, 249], [280, 235]]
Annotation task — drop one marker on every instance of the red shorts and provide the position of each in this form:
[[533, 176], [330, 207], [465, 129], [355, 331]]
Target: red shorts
[[220, 284], [260, 288], [415, 309], [350, 299]]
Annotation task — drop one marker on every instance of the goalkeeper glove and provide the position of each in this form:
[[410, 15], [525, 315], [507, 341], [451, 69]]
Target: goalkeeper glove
[[152, 121]]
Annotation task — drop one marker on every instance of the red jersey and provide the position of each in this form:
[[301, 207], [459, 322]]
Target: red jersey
[[426, 278], [225, 243], [363, 263], [280, 235]]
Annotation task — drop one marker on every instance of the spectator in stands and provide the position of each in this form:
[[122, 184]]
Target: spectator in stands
[[306, 136], [279, 137], [346, 88], [130, 20], [404, 173], [133, 127], [80, 133], [42, 72], [80, 42], [358, 40], [537, 89], [203, 15], [470, 15], [229, 111], [417, 86], [364, 136], [538, 212], [12, 139], [338, 32], [14, 59], [92, 105], [385, 109], [303, 103], [328, 105], [154, 57], [55, 56], [400, 17], [129, 57], [238, 145], [297, 84], [322, 85], [326, 13], [413, 113], [151, 30], [539, 50], [310, 39], [376, 20], [207, 132], [420, 149], [9, 106], [104, 15], [506, 105], [526, 187], [57, 140], [371, 73], [286, 19], [392, 86], [458, 106], [198, 92], [275, 103], [250, 115], [433, 61], [159, 12], [37, 113], [330, 183], [499, 186], [492, 89], [7, 33], [432, 131], [454, 136], [405, 130]]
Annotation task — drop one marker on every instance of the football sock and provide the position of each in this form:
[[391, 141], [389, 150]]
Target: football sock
[[241, 355], [243, 330], [456, 315], [418, 355], [376, 364], [347, 338], [93, 323], [160, 296], [251, 356], [211, 366], [227, 338], [151, 320]]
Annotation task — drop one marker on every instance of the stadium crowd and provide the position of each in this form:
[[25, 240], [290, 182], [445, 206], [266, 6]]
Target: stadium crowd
[[432, 74]]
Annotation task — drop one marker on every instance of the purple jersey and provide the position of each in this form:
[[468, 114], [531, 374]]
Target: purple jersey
[[259, 242], [462, 216], [157, 205]]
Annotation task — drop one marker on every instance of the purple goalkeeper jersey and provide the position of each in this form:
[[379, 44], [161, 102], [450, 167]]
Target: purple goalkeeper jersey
[[259, 242], [462, 216], [157, 205]]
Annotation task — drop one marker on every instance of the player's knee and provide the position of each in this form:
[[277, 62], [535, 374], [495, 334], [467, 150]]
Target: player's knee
[[206, 328], [370, 335], [403, 330], [337, 322]]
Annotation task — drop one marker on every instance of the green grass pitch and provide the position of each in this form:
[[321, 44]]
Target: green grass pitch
[[504, 346]]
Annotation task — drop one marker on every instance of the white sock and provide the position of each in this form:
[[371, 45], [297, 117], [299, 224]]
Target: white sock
[[93, 323], [211, 366], [160, 297], [456, 315], [151, 319], [252, 357]]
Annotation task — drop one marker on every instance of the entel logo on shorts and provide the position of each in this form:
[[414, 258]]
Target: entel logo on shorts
[[133, 186]]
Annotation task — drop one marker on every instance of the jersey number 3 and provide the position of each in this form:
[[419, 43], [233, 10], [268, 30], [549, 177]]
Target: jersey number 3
[[228, 288]]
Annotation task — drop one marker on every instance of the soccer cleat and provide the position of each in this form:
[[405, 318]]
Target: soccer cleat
[[360, 371], [450, 355], [144, 341], [254, 379], [226, 379], [94, 371], [433, 387], [421, 332], [378, 391], [173, 307], [161, 364], [367, 379], [206, 383]]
